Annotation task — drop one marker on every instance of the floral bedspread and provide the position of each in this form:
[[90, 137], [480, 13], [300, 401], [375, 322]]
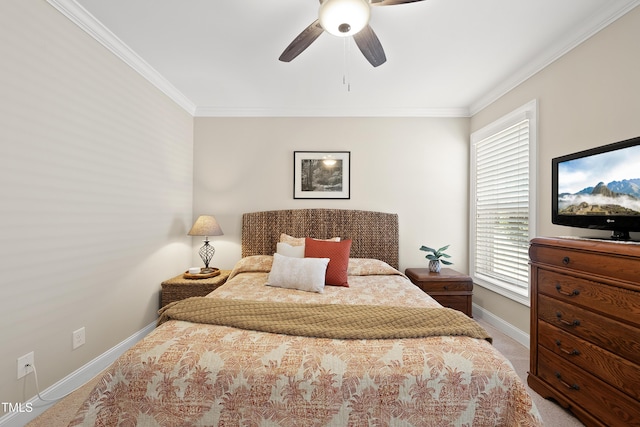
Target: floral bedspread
[[186, 374]]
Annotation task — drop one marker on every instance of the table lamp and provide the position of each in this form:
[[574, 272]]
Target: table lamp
[[206, 225]]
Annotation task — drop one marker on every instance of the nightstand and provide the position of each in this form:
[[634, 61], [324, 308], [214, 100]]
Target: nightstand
[[449, 288], [178, 288]]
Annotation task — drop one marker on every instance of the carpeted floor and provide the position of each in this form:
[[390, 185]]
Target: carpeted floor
[[553, 415], [60, 414]]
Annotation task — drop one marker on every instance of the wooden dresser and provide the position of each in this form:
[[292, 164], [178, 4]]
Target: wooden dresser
[[585, 328]]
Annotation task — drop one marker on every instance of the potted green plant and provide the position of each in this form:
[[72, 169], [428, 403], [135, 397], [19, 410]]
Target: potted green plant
[[435, 257]]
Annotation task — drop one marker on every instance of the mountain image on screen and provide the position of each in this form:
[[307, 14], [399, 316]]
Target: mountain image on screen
[[615, 198]]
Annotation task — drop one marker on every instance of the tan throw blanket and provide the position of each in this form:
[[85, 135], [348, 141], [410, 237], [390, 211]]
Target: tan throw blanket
[[325, 320]]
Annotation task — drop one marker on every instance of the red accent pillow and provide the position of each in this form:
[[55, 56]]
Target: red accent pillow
[[338, 254]]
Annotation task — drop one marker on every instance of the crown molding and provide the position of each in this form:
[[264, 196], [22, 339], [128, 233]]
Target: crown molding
[[88, 23], [609, 13], [331, 112]]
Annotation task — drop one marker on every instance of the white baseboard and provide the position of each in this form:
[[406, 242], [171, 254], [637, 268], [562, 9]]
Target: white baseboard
[[72, 381], [501, 325]]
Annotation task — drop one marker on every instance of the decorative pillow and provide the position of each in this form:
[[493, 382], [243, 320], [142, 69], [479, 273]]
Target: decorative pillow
[[289, 250], [299, 241], [254, 263], [304, 274], [338, 252], [370, 267]]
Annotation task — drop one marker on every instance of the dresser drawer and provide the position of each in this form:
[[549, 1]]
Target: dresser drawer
[[621, 303], [604, 264], [615, 336], [597, 397], [605, 365]]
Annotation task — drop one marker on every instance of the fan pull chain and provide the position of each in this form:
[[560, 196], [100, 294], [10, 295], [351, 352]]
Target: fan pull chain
[[346, 79]]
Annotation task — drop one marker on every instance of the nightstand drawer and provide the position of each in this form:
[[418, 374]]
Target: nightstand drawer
[[465, 287], [450, 288], [460, 303]]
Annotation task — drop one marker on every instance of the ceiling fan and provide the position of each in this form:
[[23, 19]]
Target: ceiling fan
[[344, 18]]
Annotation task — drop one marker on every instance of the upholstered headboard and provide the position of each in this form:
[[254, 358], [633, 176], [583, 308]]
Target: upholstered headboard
[[373, 234]]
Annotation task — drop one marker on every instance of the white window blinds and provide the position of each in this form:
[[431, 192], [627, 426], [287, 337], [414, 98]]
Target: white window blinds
[[502, 208]]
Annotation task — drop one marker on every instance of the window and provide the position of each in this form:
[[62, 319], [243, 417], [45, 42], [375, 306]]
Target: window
[[502, 220]]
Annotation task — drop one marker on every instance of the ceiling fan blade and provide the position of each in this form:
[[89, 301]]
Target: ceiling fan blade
[[391, 2], [300, 43], [370, 46]]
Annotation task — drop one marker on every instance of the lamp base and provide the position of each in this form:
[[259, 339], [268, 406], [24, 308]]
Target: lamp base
[[206, 253]]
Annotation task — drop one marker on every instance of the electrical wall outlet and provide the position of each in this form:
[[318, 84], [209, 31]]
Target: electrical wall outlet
[[78, 338], [25, 364]]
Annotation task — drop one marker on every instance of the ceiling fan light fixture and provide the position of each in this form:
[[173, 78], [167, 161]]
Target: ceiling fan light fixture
[[344, 18]]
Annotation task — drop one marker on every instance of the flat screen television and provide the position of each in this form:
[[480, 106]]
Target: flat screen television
[[599, 189]]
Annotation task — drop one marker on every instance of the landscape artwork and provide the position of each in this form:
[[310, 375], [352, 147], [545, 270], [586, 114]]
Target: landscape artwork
[[604, 184], [321, 174]]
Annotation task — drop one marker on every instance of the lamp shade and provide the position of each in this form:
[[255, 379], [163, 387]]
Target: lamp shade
[[206, 225], [344, 18]]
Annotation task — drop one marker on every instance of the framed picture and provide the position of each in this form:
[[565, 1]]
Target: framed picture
[[321, 174]]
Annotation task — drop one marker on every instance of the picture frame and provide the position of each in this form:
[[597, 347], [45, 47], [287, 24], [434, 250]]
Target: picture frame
[[321, 174]]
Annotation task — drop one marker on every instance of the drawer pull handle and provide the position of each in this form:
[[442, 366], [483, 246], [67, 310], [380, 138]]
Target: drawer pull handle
[[446, 287], [566, 322], [573, 386], [573, 352], [573, 293], [566, 260]]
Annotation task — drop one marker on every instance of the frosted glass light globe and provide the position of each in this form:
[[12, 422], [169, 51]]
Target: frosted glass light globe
[[344, 18]]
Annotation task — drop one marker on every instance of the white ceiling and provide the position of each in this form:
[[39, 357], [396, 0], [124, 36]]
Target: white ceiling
[[445, 58]]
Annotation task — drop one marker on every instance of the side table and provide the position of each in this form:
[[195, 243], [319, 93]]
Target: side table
[[449, 288], [178, 288]]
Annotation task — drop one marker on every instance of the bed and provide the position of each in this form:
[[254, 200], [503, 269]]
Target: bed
[[374, 350]]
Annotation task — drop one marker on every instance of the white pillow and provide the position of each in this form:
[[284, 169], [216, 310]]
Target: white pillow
[[304, 274], [289, 250]]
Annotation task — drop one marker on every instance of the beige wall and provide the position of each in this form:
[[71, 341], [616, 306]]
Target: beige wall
[[587, 98], [416, 167], [96, 195]]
